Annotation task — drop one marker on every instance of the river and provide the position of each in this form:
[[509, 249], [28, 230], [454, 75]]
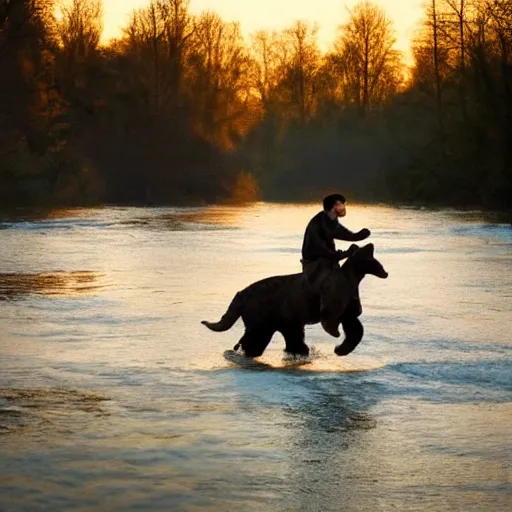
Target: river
[[114, 397]]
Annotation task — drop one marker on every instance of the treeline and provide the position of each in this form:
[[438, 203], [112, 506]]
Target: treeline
[[182, 109], [452, 126]]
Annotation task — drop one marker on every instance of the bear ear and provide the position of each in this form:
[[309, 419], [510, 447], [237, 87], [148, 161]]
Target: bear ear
[[367, 250]]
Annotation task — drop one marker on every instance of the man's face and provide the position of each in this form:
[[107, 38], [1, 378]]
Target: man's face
[[340, 209]]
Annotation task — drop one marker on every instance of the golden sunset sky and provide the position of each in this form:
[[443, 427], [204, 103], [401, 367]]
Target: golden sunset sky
[[278, 14]]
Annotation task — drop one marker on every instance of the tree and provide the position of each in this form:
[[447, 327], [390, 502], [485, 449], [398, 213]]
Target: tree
[[80, 27], [300, 62], [218, 80], [368, 65], [264, 66], [30, 105]]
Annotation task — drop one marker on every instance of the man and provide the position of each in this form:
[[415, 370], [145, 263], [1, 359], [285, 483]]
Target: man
[[320, 258]]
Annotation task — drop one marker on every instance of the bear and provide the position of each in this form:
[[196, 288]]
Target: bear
[[288, 303]]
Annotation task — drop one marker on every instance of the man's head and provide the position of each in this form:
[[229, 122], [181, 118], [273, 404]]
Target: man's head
[[334, 205]]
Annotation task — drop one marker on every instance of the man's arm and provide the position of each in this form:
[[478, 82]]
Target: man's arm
[[342, 233], [325, 252]]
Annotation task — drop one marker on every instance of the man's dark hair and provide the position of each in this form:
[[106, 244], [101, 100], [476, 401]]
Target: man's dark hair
[[331, 200]]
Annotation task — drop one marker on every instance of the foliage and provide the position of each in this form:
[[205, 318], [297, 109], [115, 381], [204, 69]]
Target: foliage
[[182, 109]]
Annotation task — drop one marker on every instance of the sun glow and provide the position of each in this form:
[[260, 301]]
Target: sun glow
[[271, 15]]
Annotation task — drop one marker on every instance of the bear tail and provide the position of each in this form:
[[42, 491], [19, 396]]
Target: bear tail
[[227, 321]]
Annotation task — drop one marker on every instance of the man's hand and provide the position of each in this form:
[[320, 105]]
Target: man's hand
[[352, 250], [341, 255], [365, 233]]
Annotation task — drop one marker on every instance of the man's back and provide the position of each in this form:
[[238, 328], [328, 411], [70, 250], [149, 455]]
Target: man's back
[[320, 234], [318, 239]]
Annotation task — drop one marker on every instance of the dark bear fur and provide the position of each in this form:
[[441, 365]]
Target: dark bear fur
[[287, 303]]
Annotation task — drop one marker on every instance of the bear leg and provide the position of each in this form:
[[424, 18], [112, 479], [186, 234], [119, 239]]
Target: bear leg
[[354, 331], [255, 341], [294, 340]]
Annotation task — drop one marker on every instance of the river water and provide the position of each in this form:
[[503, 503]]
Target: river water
[[114, 397]]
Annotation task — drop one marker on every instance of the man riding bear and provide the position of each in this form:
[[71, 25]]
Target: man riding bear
[[320, 258], [324, 291]]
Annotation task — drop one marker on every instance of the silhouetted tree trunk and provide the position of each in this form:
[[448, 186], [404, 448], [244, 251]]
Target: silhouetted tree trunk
[[367, 62], [437, 73], [459, 8], [264, 65], [301, 70]]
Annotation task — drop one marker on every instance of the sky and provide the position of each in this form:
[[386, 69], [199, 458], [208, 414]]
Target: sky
[[277, 14]]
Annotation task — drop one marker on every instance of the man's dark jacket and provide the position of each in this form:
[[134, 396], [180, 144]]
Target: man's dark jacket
[[320, 235]]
